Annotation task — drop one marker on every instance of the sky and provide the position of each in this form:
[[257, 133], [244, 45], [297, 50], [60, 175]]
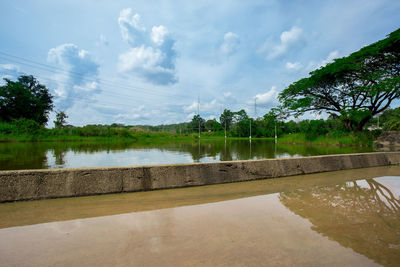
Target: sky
[[152, 62]]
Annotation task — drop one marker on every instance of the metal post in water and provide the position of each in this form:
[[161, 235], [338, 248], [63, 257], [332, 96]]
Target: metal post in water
[[250, 130], [225, 130]]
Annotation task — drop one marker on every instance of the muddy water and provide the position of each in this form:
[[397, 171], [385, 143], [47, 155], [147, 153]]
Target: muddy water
[[346, 218]]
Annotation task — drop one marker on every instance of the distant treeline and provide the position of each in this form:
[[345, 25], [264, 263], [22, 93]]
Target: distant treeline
[[237, 124], [233, 124]]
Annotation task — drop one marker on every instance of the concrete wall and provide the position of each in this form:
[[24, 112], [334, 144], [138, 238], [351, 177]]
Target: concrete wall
[[39, 184]]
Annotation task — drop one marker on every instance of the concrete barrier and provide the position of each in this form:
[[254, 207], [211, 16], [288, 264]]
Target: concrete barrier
[[52, 183]]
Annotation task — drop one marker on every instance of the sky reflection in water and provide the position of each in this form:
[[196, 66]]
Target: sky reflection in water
[[102, 154]]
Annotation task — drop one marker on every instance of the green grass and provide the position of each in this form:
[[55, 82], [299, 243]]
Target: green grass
[[345, 139]]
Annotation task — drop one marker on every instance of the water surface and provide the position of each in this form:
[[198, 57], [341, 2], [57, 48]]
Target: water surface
[[43, 155], [344, 218]]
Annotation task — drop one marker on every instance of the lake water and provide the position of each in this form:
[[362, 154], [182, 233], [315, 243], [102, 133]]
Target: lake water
[[43, 155], [344, 218]]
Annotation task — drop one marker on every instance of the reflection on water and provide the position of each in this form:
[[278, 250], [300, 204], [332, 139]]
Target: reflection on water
[[345, 218], [363, 215], [41, 155]]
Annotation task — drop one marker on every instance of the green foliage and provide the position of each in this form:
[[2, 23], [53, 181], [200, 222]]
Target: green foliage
[[353, 88], [390, 120], [197, 122], [26, 98], [226, 119], [212, 126], [61, 117]]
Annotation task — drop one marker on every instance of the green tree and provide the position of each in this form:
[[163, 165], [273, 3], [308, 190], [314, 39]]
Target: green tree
[[196, 122], [241, 123], [26, 98], [212, 125], [353, 88], [269, 121], [61, 118], [390, 119], [226, 119]]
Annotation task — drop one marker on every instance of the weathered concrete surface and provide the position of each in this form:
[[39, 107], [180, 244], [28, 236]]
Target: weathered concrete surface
[[388, 139], [39, 184]]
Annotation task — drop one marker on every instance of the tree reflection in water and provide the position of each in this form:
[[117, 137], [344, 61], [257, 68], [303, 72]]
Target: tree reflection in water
[[363, 215], [39, 155]]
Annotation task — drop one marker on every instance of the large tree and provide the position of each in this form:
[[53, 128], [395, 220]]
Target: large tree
[[61, 119], [196, 122], [226, 119], [352, 88], [26, 98]]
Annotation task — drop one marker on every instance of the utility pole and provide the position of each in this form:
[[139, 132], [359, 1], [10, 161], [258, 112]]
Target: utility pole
[[250, 129], [198, 112], [225, 126], [255, 114]]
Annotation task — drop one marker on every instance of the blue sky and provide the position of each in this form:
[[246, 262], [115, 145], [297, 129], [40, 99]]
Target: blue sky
[[147, 62]]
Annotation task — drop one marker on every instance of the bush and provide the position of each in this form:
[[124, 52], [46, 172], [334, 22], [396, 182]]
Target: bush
[[20, 127]]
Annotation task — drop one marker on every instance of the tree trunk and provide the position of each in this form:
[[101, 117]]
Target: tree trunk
[[362, 123], [348, 124]]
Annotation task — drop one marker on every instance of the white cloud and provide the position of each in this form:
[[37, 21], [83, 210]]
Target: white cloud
[[148, 63], [313, 65], [129, 25], [268, 98], [78, 80], [158, 34], [332, 55], [9, 71], [287, 40], [133, 116], [152, 55], [293, 66], [291, 36], [191, 115], [230, 43], [143, 57], [191, 108], [212, 106]]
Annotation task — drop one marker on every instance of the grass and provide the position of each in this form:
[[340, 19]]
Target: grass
[[349, 139]]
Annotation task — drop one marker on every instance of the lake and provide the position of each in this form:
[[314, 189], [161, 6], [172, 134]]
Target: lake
[[44, 155]]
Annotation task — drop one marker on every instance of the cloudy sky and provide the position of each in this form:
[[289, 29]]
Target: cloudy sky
[[148, 62]]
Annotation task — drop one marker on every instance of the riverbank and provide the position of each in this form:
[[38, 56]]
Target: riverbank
[[28, 131], [160, 137]]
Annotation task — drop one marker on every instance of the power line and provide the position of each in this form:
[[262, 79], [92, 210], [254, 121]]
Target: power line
[[69, 72], [103, 90], [48, 68], [100, 81]]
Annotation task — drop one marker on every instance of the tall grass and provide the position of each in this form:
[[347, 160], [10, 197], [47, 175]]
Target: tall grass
[[342, 139]]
